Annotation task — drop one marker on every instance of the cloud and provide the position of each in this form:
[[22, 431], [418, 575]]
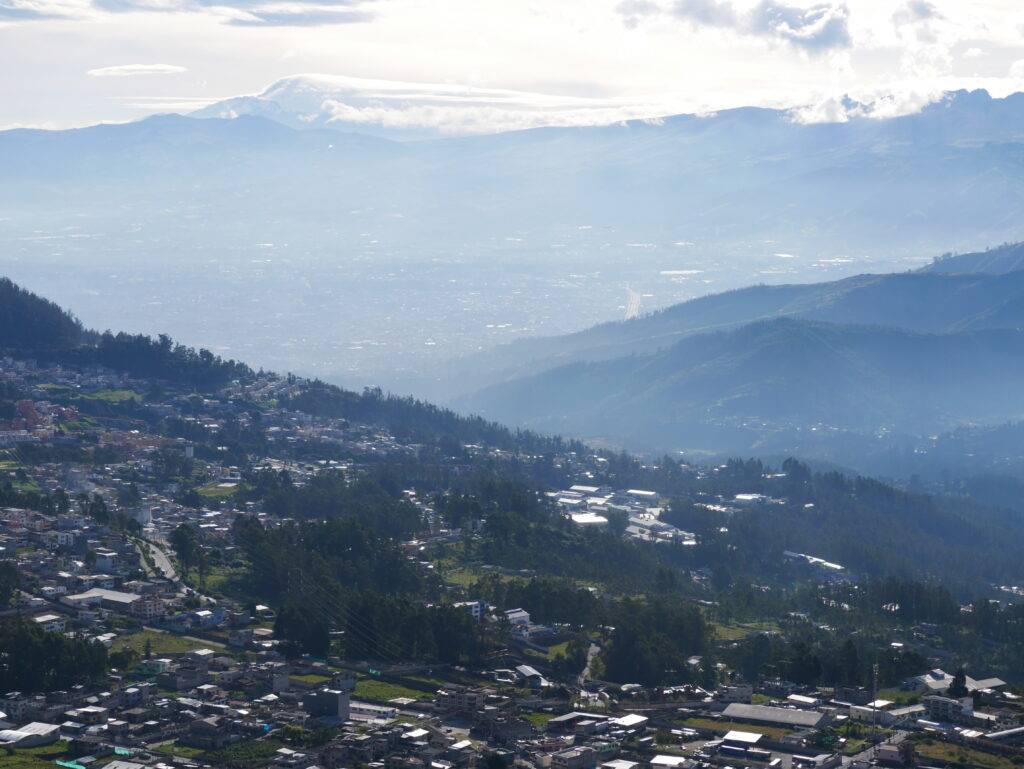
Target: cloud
[[300, 16], [255, 13], [15, 11], [707, 13], [918, 20], [432, 108], [428, 109], [927, 38], [1017, 69], [914, 11], [872, 105], [818, 28], [973, 53], [634, 11], [135, 70], [164, 104]]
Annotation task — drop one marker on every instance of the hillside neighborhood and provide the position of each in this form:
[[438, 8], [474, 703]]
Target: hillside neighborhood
[[201, 677]]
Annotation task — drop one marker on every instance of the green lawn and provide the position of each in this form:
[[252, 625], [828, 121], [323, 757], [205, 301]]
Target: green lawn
[[721, 727], [229, 581], [215, 491], [957, 754], [854, 746], [161, 643], [382, 691], [34, 758], [899, 696], [312, 679], [172, 748], [735, 631], [555, 649], [539, 719], [82, 423], [243, 754], [112, 396]]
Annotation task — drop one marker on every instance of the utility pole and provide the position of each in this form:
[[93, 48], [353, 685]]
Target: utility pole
[[874, 699]]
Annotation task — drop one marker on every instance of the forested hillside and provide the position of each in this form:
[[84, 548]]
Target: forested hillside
[[727, 390], [927, 302], [1001, 260], [29, 323]]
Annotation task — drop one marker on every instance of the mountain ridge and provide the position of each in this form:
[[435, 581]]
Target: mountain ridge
[[772, 377], [925, 301]]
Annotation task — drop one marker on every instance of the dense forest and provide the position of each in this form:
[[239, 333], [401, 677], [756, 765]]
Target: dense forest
[[31, 326], [32, 660], [339, 575]]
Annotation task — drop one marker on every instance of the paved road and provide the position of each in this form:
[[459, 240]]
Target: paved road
[[592, 652], [163, 563]]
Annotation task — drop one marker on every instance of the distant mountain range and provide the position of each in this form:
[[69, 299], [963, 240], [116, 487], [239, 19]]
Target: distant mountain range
[[958, 293], [952, 174], [995, 261], [378, 258], [780, 368]]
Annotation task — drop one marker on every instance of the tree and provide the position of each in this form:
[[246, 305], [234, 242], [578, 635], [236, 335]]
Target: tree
[[849, 664], [618, 521], [186, 547], [61, 501], [10, 581], [203, 563], [958, 688]]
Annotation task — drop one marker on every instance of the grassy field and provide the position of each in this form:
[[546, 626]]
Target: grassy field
[[735, 631], [34, 758], [242, 754], [215, 491], [899, 696], [161, 643], [721, 727], [555, 649], [112, 396], [382, 691], [172, 748], [538, 719], [82, 423], [311, 679], [854, 746], [229, 581], [957, 754]]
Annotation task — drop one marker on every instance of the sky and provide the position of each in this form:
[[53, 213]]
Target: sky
[[470, 66]]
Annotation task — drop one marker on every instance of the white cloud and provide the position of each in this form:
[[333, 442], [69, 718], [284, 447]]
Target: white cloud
[[694, 56], [634, 11], [875, 105], [446, 108], [134, 70], [817, 28]]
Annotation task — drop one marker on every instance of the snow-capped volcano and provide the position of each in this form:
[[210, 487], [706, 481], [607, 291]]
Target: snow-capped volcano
[[406, 110]]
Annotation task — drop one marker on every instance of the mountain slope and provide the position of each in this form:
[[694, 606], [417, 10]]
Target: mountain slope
[[359, 240], [31, 323], [730, 390], [994, 261], [926, 302]]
